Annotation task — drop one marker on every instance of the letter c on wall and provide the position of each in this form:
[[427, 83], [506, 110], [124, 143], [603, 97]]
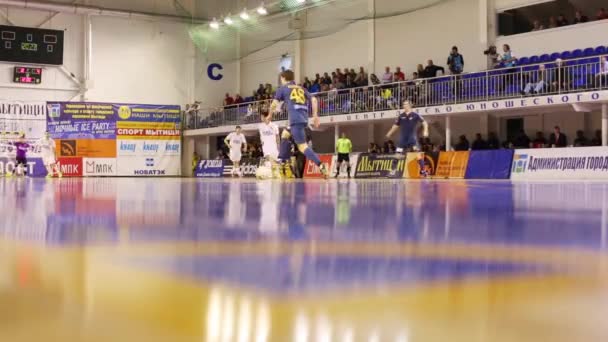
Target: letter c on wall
[[211, 71]]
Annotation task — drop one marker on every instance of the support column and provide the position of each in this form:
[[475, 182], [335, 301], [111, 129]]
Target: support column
[[297, 68], [370, 133], [207, 152], [336, 135], [484, 125], [448, 133], [371, 38], [604, 124], [238, 63], [88, 57]]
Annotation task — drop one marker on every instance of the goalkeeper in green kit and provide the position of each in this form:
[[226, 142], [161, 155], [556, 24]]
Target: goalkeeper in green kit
[[344, 147]]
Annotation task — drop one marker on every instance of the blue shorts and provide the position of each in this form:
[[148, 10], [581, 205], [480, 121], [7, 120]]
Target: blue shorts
[[298, 132]]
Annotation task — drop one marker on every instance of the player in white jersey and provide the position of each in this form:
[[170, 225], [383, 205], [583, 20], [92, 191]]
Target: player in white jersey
[[47, 149], [269, 135], [237, 143]]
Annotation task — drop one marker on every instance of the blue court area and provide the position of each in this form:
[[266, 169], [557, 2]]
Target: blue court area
[[340, 260]]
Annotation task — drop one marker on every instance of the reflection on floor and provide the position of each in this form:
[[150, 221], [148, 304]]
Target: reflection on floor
[[192, 260]]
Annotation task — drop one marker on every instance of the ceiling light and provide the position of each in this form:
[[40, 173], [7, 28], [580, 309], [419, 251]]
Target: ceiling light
[[228, 21], [245, 15], [214, 24], [262, 10], [300, 1]]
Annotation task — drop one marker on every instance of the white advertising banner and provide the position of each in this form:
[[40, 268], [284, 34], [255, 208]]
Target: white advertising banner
[[354, 157], [560, 163], [98, 167], [140, 148], [149, 166], [26, 117]]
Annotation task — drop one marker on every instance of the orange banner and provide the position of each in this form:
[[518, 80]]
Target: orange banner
[[452, 164], [92, 148]]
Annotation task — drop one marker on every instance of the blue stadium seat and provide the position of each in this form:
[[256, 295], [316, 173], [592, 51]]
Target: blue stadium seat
[[600, 50], [589, 52], [578, 53], [523, 61], [554, 56], [545, 58], [534, 60], [566, 55]]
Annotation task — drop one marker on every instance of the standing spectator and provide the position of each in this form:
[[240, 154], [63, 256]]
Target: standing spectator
[[317, 78], [539, 141], [492, 143], [415, 76], [268, 89], [238, 99], [580, 140], [455, 61], [315, 87], [341, 76], [562, 21], [228, 100], [536, 85], [420, 71], [521, 140], [353, 74], [597, 139], [399, 75], [260, 92], [479, 143], [557, 138], [374, 79], [463, 144], [492, 56], [552, 22], [602, 14], [580, 18], [326, 79], [537, 26], [508, 59], [361, 78], [344, 147], [388, 76], [307, 83], [432, 69]]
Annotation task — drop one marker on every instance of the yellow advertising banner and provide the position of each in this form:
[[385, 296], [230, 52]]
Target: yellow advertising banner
[[452, 164]]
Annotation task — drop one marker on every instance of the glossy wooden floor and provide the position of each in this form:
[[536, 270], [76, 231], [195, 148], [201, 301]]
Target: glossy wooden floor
[[189, 260]]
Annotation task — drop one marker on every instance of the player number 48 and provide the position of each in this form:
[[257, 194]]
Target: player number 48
[[298, 96]]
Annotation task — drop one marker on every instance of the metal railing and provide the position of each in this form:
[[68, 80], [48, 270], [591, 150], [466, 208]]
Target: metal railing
[[573, 75]]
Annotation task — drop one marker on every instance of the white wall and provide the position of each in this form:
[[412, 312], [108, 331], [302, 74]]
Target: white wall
[[560, 39], [263, 67]]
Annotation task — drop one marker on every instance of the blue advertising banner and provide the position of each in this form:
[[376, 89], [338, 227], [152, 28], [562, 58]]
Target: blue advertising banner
[[35, 167], [210, 169], [76, 120], [380, 166], [495, 164]]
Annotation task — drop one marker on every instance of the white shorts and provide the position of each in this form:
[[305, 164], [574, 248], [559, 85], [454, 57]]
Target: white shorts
[[49, 160], [235, 156]]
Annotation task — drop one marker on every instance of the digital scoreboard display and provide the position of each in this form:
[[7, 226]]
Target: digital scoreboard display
[[31, 45], [27, 75]]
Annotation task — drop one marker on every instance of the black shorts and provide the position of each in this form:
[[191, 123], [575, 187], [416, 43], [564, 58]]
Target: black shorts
[[343, 157], [21, 161]]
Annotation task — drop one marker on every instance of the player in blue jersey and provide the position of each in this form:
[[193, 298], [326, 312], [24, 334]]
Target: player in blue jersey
[[298, 102], [408, 121]]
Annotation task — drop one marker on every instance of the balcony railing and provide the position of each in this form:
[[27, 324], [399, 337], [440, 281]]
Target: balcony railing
[[574, 75]]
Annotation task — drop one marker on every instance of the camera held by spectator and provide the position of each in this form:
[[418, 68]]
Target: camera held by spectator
[[492, 56]]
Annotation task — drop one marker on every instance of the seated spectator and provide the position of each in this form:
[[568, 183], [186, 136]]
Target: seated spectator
[[268, 89], [463, 144], [557, 138], [307, 84], [597, 139], [373, 148], [580, 140], [261, 90], [389, 147], [558, 76], [338, 83], [238, 99], [317, 78], [399, 75], [521, 140], [536, 84], [455, 62], [602, 77], [539, 141], [602, 14], [432, 69], [479, 143], [326, 79], [580, 18], [507, 59], [228, 100], [420, 71], [353, 74], [340, 75], [415, 76], [537, 26], [552, 22], [350, 82], [374, 79], [361, 78], [426, 145], [562, 21], [492, 143], [315, 87], [388, 76]]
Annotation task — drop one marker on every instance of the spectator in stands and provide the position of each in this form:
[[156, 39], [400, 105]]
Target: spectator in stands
[[536, 83], [602, 14], [557, 138], [350, 82], [420, 71], [389, 147], [479, 143], [228, 100], [521, 140], [558, 76], [597, 139], [307, 83], [268, 90], [562, 21], [374, 79], [326, 79], [426, 145], [432, 69], [492, 143], [602, 77], [338, 83], [415, 76], [539, 141], [552, 22], [261, 91], [581, 140], [537, 26], [353, 74], [463, 144], [388, 76], [315, 87], [579, 18], [238, 99], [361, 79], [507, 59], [373, 148], [399, 75], [455, 61], [317, 78], [493, 57]]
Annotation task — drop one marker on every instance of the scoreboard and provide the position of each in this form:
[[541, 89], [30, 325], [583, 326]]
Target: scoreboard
[[31, 45], [27, 75]]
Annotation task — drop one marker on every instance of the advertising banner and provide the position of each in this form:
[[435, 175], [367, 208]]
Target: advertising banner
[[249, 166], [312, 170], [210, 168], [148, 166], [70, 166], [354, 157], [452, 164], [77, 120], [495, 164], [35, 166], [134, 148], [27, 117], [380, 166], [560, 163], [98, 167], [413, 166], [94, 148]]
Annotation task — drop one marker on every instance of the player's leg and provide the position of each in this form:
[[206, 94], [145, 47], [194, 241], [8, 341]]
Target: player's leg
[[299, 136], [420, 158], [338, 165], [347, 161]]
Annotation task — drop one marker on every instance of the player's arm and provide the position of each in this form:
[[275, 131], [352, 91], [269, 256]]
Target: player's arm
[[227, 140], [392, 131], [275, 106], [244, 146], [425, 127]]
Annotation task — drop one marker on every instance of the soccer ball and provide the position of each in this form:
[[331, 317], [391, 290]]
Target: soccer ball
[[263, 172]]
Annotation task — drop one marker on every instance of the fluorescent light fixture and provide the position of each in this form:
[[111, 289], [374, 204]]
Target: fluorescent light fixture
[[228, 21], [244, 15], [300, 1], [214, 24], [262, 10]]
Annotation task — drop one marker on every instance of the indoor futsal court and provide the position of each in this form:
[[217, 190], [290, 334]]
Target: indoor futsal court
[[187, 260]]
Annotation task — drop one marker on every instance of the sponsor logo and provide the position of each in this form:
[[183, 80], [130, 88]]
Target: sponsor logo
[[151, 147], [382, 166], [149, 172], [172, 147], [54, 110], [520, 162], [70, 166], [127, 147], [150, 162], [124, 112], [313, 171], [211, 163], [96, 168], [67, 148]]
